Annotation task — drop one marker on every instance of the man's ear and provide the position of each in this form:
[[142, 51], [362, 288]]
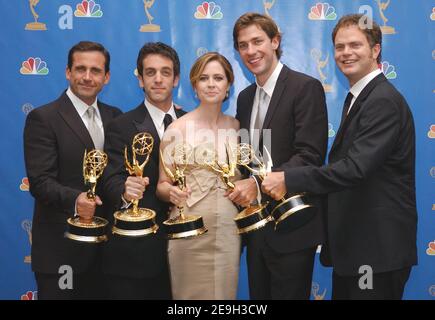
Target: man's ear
[[107, 77], [176, 81], [67, 73], [275, 42], [139, 78], [376, 50]]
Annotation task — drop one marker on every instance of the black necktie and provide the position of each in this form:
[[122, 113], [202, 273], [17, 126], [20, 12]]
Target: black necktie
[[346, 106], [167, 120]]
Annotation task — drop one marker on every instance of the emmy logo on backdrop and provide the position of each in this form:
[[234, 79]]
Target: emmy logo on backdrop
[[149, 27], [35, 25], [267, 6], [382, 7], [315, 292], [316, 54], [27, 226], [91, 230], [136, 222], [182, 226]]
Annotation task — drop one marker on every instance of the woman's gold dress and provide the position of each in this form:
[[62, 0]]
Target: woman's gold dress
[[207, 266]]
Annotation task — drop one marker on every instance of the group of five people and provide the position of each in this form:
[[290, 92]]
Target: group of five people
[[365, 195]]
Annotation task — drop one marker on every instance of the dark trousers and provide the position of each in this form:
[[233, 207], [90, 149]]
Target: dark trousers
[[279, 275], [385, 286], [85, 286], [125, 288]]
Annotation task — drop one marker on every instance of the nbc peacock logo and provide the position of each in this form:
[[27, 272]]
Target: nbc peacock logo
[[208, 10], [88, 9], [431, 249], [34, 66], [331, 131], [388, 69], [30, 295], [431, 132], [322, 11], [24, 186], [432, 16]]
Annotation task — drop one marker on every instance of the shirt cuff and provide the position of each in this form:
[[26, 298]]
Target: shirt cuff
[[76, 214], [258, 189], [125, 203]]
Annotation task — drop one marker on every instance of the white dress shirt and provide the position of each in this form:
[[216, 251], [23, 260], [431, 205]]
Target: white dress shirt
[[81, 108], [157, 115], [358, 87], [268, 88]]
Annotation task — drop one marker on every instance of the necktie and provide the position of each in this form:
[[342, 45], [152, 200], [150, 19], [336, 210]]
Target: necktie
[[167, 120], [94, 131], [258, 120], [258, 124], [346, 106]]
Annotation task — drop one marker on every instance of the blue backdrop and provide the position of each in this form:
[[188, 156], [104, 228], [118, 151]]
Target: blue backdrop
[[33, 52]]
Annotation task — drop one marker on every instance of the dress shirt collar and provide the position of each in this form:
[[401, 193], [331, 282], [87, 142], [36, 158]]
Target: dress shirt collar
[[81, 106], [358, 87], [269, 86], [157, 114]]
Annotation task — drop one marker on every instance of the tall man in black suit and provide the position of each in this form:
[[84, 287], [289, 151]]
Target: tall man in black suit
[[137, 268], [291, 105], [55, 138], [370, 178]]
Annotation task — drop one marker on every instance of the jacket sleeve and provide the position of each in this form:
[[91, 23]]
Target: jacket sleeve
[[310, 127], [115, 174], [41, 159], [378, 131]]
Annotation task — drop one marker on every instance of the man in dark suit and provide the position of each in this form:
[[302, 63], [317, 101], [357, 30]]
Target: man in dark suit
[[291, 106], [370, 178], [137, 267], [55, 138]]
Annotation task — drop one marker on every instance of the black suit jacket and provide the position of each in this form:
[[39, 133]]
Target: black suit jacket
[[370, 181], [129, 256], [297, 117], [55, 139]]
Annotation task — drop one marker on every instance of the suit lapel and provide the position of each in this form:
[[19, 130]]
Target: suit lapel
[[105, 114], [246, 107], [144, 123], [72, 118], [276, 96], [274, 102], [355, 108]]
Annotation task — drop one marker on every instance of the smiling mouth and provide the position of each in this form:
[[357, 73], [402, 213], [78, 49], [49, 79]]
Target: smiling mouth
[[255, 60], [348, 62]]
